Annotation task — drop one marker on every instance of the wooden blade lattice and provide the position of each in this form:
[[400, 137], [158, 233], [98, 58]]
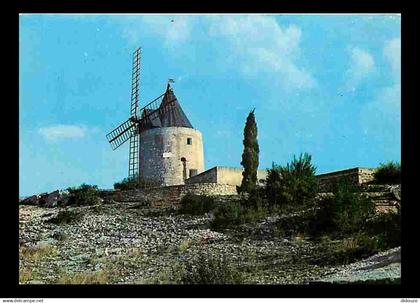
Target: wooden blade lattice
[[121, 133], [134, 152]]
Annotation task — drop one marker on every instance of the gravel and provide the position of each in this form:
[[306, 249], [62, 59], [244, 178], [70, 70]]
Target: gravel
[[145, 246]]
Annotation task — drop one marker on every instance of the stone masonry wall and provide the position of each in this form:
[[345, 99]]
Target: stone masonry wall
[[171, 195], [356, 176], [209, 176], [211, 189], [366, 175], [223, 175]]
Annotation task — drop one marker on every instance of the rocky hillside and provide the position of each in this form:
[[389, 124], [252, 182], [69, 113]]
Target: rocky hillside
[[120, 243]]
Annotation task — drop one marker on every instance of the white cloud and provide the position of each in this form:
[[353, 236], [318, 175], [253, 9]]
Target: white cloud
[[173, 30], [381, 118], [252, 44], [259, 45], [392, 53], [58, 132], [388, 99], [361, 65]]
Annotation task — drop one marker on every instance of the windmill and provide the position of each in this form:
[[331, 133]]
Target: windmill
[[139, 119]]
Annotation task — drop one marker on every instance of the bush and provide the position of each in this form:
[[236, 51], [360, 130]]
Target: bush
[[196, 204], [83, 195], [249, 210], [345, 212], [351, 208], [290, 226], [134, 183], [227, 214], [345, 251], [293, 184], [386, 227], [389, 173], [65, 217], [208, 268]]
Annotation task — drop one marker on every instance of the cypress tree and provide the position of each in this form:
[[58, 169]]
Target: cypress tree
[[250, 155]]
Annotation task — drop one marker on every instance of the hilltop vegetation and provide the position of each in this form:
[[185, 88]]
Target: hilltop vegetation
[[388, 173]]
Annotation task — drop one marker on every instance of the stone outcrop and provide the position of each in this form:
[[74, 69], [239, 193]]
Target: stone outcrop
[[53, 199]]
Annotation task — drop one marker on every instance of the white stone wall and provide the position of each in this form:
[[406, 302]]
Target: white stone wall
[[209, 176], [224, 175], [161, 151], [366, 175], [233, 175], [211, 189]]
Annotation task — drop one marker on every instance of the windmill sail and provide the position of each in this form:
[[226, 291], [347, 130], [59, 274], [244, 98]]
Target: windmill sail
[[133, 156], [131, 127], [121, 133]]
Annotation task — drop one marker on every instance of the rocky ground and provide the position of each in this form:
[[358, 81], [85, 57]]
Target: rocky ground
[[119, 243], [384, 265]]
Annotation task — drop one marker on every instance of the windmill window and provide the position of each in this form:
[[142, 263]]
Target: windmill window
[[189, 141]]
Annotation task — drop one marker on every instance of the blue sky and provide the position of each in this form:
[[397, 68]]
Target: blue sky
[[328, 85]]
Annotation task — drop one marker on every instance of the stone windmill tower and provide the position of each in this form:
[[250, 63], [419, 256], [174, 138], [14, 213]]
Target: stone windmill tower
[[164, 146], [171, 150]]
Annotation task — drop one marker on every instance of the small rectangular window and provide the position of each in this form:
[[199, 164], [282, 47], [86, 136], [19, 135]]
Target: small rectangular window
[[189, 141]]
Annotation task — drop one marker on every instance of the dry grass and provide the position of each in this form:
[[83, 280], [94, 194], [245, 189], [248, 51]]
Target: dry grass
[[37, 253], [350, 243], [26, 275], [185, 245], [85, 277], [32, 257]]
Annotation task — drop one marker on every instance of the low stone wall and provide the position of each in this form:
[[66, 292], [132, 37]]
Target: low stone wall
[[223, 175], [357, 176], [208, 176], [210, 189], [366, 175], [171, 195]]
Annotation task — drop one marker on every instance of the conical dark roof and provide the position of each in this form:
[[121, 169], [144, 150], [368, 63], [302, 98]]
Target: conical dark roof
[[170, 114]]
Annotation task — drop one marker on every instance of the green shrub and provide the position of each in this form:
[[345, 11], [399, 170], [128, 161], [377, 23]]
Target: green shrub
[[345, 212], [227, 214], [134, 183], [65, 217], [349, 250], [386, 227], [293, 184], [389, 173], [83, 195], [291, 226], [351, 208], [196, 204], [234, 213], [210, 268]]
